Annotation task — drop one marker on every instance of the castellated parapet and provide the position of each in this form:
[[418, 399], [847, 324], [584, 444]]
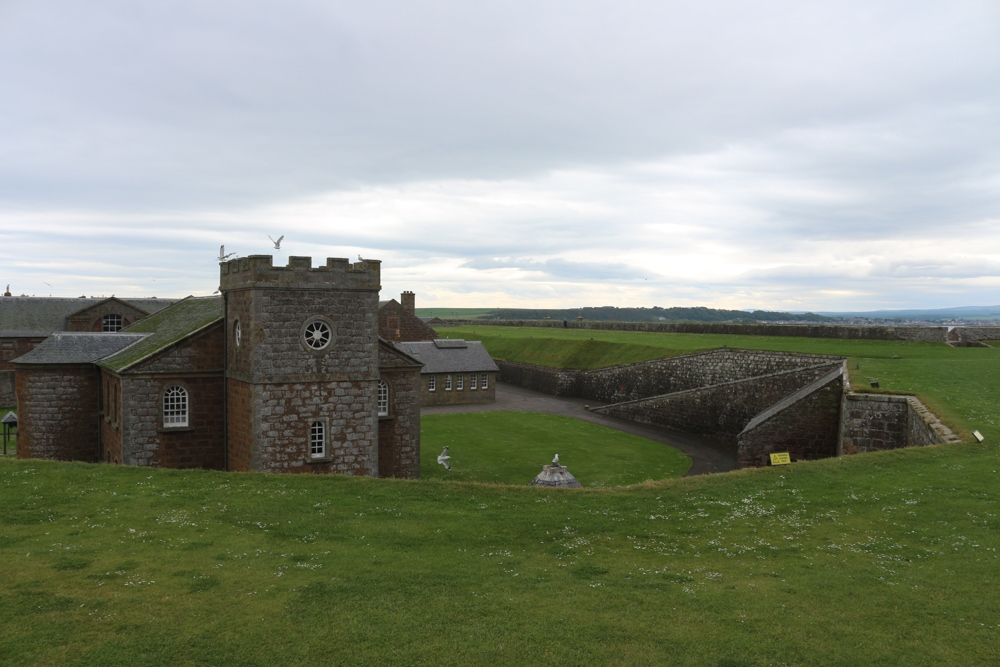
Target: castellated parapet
[[341, 273]]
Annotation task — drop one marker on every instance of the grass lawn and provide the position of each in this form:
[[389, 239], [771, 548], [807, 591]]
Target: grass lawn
[[453, 313], [512, 447], [961, 385], [882, 559]]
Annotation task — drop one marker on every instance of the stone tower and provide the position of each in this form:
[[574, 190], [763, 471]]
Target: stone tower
[[301, 365]]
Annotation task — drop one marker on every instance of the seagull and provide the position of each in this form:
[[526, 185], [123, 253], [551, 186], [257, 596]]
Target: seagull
[[443, 459], [556, 459], [277, 244], [222, 253]]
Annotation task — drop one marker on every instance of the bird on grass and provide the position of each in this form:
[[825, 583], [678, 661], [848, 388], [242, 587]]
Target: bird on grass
[[556, 459], [277, 244], [443, 459], [222, 253]]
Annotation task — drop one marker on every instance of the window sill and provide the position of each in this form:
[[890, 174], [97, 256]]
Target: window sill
[[386, 417], [175, 429], [319, 459]]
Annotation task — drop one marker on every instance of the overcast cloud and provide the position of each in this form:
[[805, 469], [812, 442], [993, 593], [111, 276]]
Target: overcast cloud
[[780, 155]]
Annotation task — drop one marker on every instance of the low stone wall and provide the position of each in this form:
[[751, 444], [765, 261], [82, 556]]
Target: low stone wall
[[58, 413], [552, 381], [804, 424], [719, 411], [877, 422], [844, 331]]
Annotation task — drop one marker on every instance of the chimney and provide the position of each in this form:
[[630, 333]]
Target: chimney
[[408, 301]]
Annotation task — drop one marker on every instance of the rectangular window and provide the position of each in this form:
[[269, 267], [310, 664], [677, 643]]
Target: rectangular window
[[472, 381], [486, 381], [447, 382], [431, 383], [383, 398], [317, 440], [460, 382], [175, 407]]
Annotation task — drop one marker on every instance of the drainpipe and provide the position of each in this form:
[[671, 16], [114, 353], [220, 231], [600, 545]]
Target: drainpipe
[[225, 381]]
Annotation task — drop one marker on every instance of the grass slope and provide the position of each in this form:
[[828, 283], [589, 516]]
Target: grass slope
[[885, 559], [961, 385], [512, 447]]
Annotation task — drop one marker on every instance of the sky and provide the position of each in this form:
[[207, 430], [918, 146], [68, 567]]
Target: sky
[[781, 155]]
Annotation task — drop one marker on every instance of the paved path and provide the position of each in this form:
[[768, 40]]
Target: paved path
[[707, 456]]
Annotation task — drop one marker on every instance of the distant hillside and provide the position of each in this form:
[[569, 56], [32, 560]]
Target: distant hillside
[[613, 314]]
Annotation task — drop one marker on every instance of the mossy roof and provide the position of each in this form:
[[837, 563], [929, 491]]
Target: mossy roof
[[166, 327]]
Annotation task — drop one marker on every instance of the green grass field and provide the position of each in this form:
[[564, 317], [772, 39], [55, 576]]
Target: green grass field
[[885, 559], [961, 385], [453, 313], [512, 447]]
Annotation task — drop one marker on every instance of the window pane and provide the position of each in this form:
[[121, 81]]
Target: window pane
[[317, 440], [175, 407]]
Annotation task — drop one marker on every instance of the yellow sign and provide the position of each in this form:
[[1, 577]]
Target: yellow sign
[[780, 459]]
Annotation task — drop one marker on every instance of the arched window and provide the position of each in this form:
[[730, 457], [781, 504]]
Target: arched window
[[383, 398], [111, 322], [175, 407]]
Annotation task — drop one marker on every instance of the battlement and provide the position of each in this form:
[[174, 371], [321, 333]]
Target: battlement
[[257, 271]]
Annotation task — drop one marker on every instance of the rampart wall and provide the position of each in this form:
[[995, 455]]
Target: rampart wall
[[842, 331], [877, 422]]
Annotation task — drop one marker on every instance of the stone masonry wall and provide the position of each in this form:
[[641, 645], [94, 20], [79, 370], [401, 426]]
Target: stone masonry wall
[[844, 331], [285, 412], [673, 374], [239, 425], [57, 413], [721, 411], [553, 381], [655, 378], [399, 433], [877, 422], [202, 353], [111, 434], [7, 394], [804, 425], [395, 323], [146, 442]]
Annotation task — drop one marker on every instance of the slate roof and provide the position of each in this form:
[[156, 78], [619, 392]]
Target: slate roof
[[166, 327], [65, 347], [38, 316], [450, 355]]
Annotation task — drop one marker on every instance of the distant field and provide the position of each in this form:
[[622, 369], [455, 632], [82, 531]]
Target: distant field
[[512, 447], [961, 385], [453, 313]]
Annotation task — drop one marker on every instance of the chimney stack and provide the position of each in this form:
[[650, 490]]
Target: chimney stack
[[408, 301]]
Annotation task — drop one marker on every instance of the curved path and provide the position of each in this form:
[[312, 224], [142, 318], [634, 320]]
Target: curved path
[[706, 456]]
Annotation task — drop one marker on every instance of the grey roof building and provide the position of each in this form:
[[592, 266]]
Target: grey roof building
[[450, 355], [30, 316], [78, 348]]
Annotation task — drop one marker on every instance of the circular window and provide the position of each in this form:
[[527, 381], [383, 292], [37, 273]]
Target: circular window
[[237, 332], [317, 334]]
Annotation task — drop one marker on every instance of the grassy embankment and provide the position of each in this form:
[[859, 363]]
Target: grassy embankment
[[883, 559], [961, 385]]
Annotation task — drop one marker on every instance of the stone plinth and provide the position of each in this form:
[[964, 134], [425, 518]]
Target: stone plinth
[[555, 475]]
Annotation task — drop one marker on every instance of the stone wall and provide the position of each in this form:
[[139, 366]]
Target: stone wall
[[803, 424], [719, 411], [455, 396], [240, 425], [110, 418], [845, 331], [553, 381], [877, 422], [57, 412], [397, 324], [8, 397], [617, 384], [673, 374], [399, 433]]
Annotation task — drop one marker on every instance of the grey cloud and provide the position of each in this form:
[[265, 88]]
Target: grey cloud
[[561, 269]]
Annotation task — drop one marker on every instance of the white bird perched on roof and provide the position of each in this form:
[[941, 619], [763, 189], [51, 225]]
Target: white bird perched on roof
[[222, 253], [556, 459], [443, 459], [277, 244]]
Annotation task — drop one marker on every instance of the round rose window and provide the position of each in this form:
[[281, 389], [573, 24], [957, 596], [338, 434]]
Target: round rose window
[[317, 335]]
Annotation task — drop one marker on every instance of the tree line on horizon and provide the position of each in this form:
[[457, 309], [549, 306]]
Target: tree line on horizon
[[654, 314]]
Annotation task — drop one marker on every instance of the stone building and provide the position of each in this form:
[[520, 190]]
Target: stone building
[[398, 321], [454, 371], [25, 321], [285, 372]]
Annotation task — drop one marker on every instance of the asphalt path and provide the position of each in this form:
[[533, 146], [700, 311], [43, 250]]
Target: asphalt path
[[707, 456]]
